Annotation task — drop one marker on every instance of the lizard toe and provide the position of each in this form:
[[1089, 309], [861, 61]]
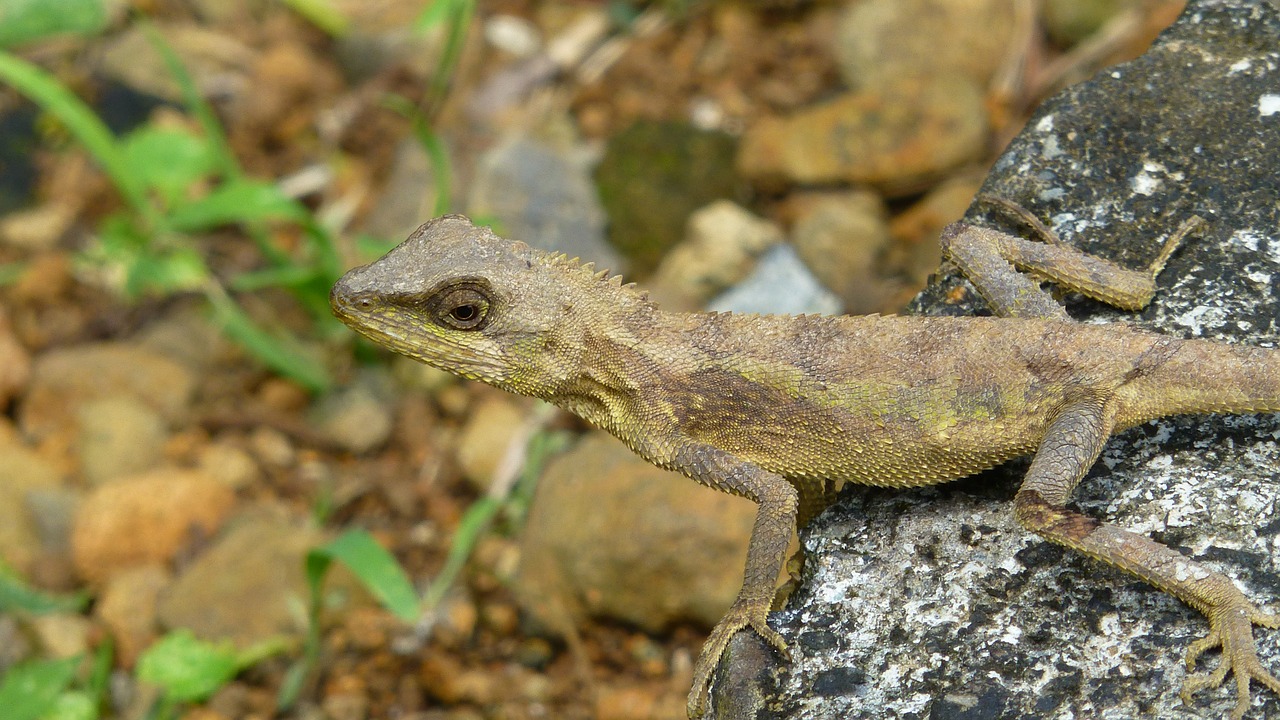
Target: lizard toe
[[1231, 628]]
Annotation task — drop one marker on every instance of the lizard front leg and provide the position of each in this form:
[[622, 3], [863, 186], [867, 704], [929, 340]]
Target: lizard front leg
[[775, 520], [1070, 446]]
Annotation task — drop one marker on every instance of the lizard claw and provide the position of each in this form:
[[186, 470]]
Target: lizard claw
[[742, 615], [1231, 628]]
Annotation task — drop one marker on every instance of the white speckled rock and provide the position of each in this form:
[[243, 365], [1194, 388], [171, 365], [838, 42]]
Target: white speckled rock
[[933, 603]]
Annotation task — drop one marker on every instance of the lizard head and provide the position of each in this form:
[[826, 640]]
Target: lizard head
[[458, 297]]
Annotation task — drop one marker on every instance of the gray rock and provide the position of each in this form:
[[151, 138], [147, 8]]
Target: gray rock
[[22, 473], [780, 284], [357, 418], [408, 198], [933, 602], [721, 245], [543, 195]]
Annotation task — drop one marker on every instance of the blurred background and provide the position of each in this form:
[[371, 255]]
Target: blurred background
[[216, 503]]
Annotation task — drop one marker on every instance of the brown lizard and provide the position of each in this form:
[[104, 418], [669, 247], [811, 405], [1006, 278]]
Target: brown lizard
[[783, 409]]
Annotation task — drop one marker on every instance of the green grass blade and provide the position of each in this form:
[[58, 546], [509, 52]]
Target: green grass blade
[[80, 120], [220, 147], [279, 354], [473, 524], [17, 596], [377, 570], [322, 14], [23, 21], [432, 144]]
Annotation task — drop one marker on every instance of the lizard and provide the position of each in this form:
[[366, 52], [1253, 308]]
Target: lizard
[[783, 409]]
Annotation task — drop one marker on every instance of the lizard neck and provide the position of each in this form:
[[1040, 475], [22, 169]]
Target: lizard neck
[[616, 361]]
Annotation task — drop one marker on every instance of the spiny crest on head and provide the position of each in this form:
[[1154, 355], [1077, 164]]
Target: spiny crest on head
[[587, 274]]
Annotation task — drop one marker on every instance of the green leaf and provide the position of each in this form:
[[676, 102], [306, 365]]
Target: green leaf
[[72, 705], [322, 14], [287, 276], [23, 21], [376, 569], [31, 689], [238, 201], [187, 668], [175, 269], [168, 160], [16, 595]]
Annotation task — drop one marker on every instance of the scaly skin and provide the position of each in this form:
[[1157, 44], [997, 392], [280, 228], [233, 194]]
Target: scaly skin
[[783, 409]]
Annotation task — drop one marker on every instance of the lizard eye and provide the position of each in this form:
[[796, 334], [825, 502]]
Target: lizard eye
[[462, 308]]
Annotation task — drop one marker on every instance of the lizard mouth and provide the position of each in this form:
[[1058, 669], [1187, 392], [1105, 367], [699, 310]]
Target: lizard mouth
[[407, 334]]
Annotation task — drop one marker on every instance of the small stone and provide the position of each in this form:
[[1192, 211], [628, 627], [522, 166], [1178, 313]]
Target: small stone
[[46, 279], [118, 436], [63, 380], [127, 607], [52, 511], [272, 448], [456, 621], [249, 585], [534, 653], [452, 684], [15, 362], [146, 518], [897, 138], [356, 418], [880, 42], [633, 702], [346, 706], [500, 617], [283, 395], [22, 472], [38, 228], [15, 645], [781, 284], [542, 193], [721, 246], [368, 628], [62, 635], [229, 464], [613, 536], [841, 239], [217, 60], [653, 176], [915, 253], [487, 437], [187, 335], [513, 35]]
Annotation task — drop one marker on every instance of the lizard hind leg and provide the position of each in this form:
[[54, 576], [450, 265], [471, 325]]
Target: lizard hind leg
[[991, 260], [1072, 443]]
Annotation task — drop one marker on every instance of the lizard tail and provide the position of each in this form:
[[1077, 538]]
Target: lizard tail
[[1200, 377]]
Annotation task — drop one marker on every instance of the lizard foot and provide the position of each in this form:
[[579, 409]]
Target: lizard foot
[[740, 616], [1231, 628]]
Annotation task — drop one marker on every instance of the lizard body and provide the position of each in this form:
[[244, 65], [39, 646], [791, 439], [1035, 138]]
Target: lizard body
[[783, 409]]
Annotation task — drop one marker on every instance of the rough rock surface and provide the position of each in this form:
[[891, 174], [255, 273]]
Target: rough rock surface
[[933, 602]]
